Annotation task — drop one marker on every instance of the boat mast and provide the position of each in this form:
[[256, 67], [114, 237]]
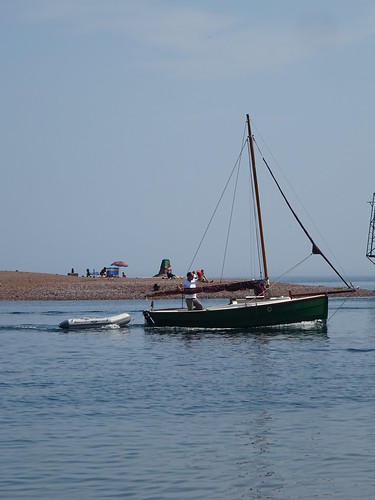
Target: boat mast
[[257, 199], [370, 254]]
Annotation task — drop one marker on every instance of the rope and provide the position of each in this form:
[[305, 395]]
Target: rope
[[230, 221], [342, 304], [301, 204], [291, 269], [217, 205]]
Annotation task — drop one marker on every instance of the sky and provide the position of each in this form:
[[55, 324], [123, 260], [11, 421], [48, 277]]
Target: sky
[[121, 120]]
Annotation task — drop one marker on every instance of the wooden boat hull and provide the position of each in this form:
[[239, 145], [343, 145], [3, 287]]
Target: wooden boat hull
[[79, 323], [250, 313]]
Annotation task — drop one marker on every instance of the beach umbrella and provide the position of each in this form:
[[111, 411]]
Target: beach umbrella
[[119, 263]]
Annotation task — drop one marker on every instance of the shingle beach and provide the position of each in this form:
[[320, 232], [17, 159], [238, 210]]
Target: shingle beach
[[16, 285]]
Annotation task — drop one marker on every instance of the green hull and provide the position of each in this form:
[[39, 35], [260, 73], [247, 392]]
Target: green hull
[[248, 314]]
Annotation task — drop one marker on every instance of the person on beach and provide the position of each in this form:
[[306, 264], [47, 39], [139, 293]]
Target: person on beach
[[191, 299], [201, 276], [170, 274], [103, 272]]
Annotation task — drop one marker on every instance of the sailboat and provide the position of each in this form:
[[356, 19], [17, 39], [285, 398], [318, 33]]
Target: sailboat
[[258, 310]]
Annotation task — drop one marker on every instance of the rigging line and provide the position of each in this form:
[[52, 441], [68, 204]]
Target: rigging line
[[370, 252], [217, 206], [291, 269], [295, 193], [342, 305], [230, 219], [316, 249]]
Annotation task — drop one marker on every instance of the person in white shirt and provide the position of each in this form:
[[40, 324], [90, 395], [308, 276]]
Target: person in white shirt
[[191, 299]]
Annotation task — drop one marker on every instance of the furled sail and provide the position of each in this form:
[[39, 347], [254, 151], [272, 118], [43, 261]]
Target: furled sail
[[259, 287]]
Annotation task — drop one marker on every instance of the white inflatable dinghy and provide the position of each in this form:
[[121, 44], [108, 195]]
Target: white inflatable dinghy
[[119, 320]]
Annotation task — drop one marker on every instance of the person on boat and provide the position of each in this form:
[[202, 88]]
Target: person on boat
[[191, 300]]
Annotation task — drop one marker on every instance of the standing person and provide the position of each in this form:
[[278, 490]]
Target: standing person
[[191, 300]]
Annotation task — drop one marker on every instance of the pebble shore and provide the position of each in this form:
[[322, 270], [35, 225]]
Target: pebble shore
[[15, 285]]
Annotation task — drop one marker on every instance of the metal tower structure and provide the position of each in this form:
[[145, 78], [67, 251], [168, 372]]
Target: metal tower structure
[[370, 254]]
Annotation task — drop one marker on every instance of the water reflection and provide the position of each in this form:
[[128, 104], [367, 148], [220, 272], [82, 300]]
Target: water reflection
[[149, 413], [256, 469]]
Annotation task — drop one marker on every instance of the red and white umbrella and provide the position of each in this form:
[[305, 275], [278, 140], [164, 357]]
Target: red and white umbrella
[[119, 263]]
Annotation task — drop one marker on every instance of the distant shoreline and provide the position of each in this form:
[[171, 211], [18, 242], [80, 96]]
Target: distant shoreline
[[29, 286]]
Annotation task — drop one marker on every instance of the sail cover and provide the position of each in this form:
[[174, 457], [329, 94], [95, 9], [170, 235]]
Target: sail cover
[[259, 287]]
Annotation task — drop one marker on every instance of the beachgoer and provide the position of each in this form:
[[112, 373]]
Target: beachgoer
[[204, 279], [103, 272], [201, 276], [191, 299], [170, 274]]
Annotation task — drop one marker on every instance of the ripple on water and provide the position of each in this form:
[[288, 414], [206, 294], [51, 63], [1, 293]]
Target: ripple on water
[[139, 413]]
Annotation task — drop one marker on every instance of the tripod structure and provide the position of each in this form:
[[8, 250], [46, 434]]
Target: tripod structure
[[370, 254]]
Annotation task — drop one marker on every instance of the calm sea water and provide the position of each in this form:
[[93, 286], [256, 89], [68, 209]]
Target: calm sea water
[[145, 414]]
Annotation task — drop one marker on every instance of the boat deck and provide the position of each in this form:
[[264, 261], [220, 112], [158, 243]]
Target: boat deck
[[251, 301]]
